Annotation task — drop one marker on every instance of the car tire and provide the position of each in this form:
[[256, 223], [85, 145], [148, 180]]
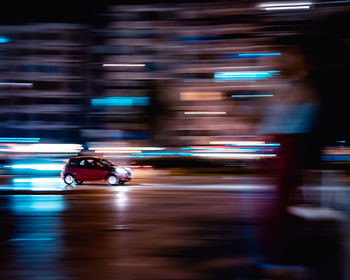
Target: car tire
[[112, 180], [68, 179], [79, 182]]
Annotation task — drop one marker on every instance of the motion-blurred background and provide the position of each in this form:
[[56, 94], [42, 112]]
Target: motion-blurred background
[[191, 83], [232, 115]]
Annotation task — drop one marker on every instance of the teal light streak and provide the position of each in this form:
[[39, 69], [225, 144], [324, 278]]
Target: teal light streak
[[245, 75], [18, 140], [252, 95], [256, 54], [120, 101]]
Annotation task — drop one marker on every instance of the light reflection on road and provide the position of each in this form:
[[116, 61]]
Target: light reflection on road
[[37, 184], [56, 184], [35, 204], [35, 236], [121, 197]]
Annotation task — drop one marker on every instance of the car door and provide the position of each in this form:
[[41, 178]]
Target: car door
[[81, 171], [96, 170]]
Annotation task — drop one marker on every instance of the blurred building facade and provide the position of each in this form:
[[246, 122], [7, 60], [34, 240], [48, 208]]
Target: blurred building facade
[[173, 54], [170, 74], [43, 80], [208, 69]]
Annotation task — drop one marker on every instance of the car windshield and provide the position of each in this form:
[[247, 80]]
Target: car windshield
[[106, 162]]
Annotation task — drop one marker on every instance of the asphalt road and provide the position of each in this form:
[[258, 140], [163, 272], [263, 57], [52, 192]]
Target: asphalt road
[[163, 230]]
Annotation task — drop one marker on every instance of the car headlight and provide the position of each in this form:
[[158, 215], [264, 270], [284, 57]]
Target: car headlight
[[120, 170]]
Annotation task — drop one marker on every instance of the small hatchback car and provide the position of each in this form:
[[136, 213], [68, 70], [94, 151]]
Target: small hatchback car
[[90, 168]]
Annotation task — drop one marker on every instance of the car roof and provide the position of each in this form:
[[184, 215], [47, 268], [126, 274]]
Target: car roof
[[82, 157]]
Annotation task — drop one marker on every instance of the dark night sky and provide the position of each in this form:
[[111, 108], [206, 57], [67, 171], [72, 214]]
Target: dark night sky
[[21, 12], [75, 11]]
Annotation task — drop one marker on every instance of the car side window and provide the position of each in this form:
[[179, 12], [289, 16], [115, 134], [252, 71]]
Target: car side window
[[82, 163], [99, 164], [91, 163], [73, 163]]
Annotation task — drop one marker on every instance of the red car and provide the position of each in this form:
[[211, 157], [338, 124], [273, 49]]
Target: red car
[[90, 168]]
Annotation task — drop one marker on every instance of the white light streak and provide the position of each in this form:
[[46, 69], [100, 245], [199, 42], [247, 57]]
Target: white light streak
[[284, 4], [239, 143], [39, 166], [287, 8], [127, 148], [117, 152], [233, 155], [226, 150], [37, 180], [123, 65], [205, 113], [46, 148]]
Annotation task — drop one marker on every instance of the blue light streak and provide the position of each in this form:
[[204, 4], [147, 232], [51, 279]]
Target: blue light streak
[[199, 38], [120, 101], [156, 154], [336, 158], [245, 75], [252, 95], [247, 55], [16, 84], [4, 40], [30, 239], [18, 140], [256, 54]]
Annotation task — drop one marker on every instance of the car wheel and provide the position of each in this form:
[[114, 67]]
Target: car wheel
[[112, 180], [79, 182], [68, 179]]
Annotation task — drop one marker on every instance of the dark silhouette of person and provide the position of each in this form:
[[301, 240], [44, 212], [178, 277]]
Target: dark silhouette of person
[[291, 120]]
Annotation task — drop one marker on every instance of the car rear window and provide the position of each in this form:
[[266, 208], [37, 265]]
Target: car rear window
[[73, 162]]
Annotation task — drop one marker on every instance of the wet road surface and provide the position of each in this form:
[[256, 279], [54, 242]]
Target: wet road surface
[[158, 231]]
